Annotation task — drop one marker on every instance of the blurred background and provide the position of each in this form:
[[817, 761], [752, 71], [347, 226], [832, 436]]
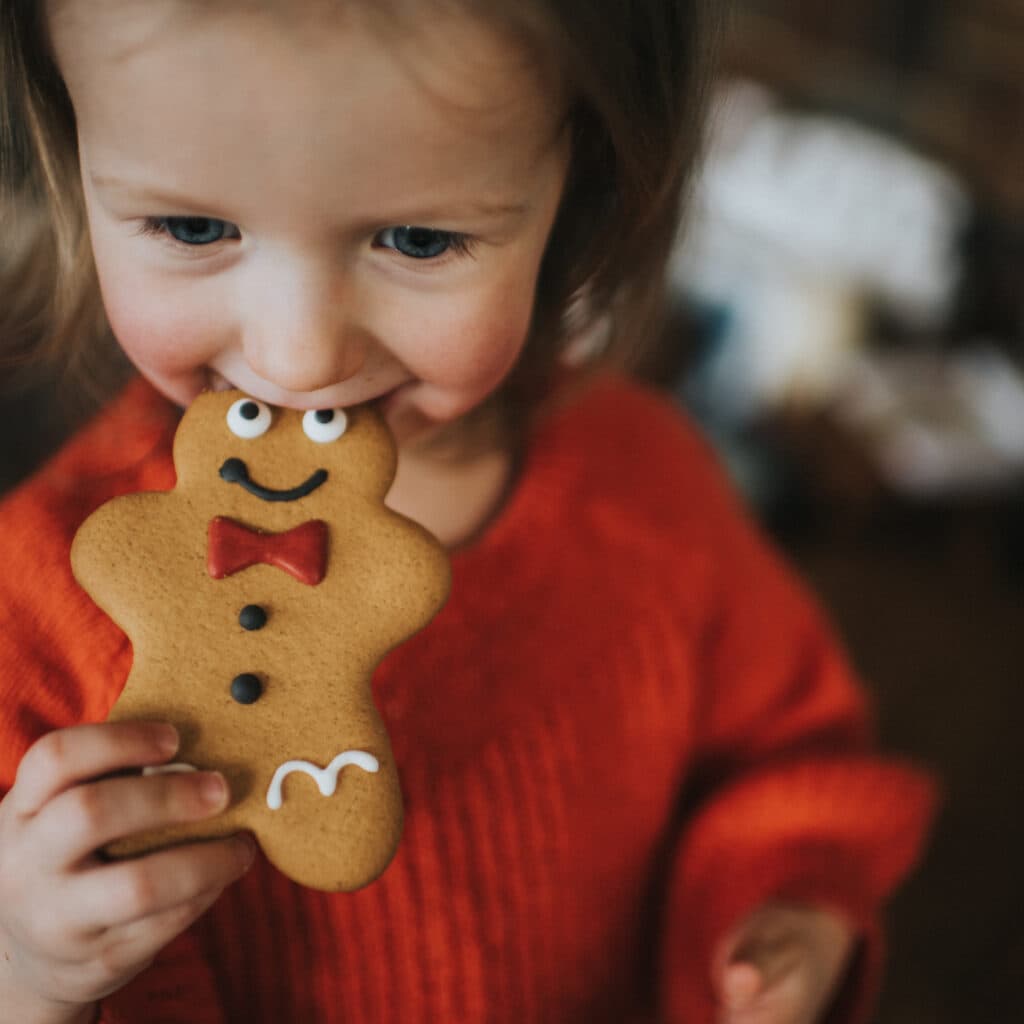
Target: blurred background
[[849, 311], [851, 287]]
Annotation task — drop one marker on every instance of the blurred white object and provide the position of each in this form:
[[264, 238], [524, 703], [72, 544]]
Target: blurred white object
[[789, 344], [796, 218], [938, 423]]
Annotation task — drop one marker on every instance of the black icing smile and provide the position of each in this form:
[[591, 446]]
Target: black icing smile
[[235, 471]]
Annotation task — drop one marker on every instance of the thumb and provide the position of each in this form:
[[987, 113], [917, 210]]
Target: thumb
[[741, 984]]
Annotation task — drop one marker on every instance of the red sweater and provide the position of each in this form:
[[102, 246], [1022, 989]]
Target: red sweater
[[628, 728]]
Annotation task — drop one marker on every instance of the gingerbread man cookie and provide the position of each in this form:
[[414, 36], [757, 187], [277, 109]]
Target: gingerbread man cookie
[[259, 595]]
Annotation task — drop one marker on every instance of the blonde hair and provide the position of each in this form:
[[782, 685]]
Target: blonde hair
[[636, 74]]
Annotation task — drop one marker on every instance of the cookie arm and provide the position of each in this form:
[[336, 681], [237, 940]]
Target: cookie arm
[[789, 802], [433, 575], [409, 578], [116, 548]]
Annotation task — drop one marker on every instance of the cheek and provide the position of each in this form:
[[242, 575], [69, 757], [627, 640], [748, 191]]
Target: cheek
[[473, 352], [469, 344], [151, 339], [155, 329]]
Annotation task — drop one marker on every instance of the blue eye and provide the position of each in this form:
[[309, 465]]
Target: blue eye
[[191, 231], [195, 230], [422, 243]]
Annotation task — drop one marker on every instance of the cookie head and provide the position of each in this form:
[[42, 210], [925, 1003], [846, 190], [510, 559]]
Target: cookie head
[[264, 456]]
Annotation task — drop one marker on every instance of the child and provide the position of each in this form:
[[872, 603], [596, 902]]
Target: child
[[636, 768]]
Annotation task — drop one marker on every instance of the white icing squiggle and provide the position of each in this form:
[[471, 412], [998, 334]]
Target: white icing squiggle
[[326, 778]]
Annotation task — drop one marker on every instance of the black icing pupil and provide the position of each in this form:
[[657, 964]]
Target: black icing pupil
[[324, 415], [249, 411]]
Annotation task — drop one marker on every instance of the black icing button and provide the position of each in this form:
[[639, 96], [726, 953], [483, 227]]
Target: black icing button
[[252, 616], [246, 688]]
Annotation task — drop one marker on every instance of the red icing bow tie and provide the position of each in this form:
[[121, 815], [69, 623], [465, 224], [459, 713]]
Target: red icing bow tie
[[301, 552]]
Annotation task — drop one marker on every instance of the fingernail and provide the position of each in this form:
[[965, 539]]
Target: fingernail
[[213, 789], [167, 739]]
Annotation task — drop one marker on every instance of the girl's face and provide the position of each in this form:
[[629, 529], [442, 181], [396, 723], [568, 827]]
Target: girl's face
[[309, 211]]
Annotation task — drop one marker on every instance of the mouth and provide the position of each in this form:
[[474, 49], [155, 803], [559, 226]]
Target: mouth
[[235, 471], [382, 402]]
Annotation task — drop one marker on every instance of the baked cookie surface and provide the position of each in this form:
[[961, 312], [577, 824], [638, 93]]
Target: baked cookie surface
[[259, 596]]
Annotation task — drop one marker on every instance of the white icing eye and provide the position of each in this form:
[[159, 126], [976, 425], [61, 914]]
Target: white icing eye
[[323, 425], [248, 418]]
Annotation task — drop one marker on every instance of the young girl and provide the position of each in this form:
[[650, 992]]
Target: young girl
[[636, 768]]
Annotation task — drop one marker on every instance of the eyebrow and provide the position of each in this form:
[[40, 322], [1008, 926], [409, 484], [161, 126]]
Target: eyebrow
[[476, 207]]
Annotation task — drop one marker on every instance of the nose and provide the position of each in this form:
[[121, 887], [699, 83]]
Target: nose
[[299, 330]]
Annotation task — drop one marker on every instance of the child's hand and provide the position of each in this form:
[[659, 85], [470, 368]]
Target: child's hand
[[782, 965], [72, 927]]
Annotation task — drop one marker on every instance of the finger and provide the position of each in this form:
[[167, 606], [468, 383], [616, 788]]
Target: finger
[[771, 945], [777, 961], [133, 947], [113, 958], [86, 818], [740, 985], [760, 959], [788, 1001], [67, 757], [120, 895]]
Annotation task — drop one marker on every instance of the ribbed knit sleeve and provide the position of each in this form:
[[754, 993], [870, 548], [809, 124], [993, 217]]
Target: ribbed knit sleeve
[[790, 803], [62, 661]]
